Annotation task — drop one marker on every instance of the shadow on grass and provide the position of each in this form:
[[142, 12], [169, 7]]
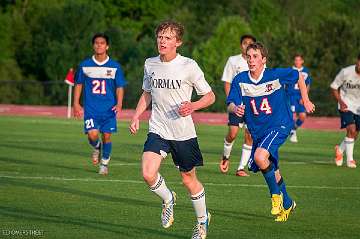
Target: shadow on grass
[[130, 230]]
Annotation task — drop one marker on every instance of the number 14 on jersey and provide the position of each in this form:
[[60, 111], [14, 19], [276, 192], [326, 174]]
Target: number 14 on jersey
[[264, 106]]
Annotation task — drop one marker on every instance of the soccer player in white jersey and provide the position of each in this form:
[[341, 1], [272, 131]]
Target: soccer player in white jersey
[[169, 80], [346, 90], [234, 66], [103, 82]]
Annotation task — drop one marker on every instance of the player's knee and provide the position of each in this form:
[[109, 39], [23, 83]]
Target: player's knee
[[302, 117], [231, 136], [149, 176], [188, 179]]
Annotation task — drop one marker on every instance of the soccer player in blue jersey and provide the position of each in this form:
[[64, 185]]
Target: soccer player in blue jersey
[[103, 82], [259, 96], [296, 103]]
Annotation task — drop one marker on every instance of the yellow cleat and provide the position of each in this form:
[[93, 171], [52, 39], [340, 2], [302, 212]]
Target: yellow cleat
[[277, 204], [284, 215]]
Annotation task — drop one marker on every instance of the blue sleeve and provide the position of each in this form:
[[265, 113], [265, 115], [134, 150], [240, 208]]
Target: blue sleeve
[[235, 93], [79, 76], [308, 79], [119, 78], [287, 75]]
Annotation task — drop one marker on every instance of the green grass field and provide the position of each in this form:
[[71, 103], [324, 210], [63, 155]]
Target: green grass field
[[47, 183]]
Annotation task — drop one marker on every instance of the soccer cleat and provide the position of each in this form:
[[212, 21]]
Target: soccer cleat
[[338, 156], [351, 164], [276, 203], [284, 215], [103, 170], [224, 164], [95, 156], [241, 173], [293, 137], [200, 229], [167, 213]]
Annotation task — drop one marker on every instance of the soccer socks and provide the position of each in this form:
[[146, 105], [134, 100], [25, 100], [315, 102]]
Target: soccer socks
[[227, 148], [198, 201], [245, 156], [287, 201], [269, 175], [349, 148], [106, 151], [95, 144], [160, 189], [298, 123]]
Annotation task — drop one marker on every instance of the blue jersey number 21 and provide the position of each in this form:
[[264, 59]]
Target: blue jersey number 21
[[99, 87]]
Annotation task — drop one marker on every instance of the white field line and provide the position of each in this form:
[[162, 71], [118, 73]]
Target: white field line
[[141, 182], [216, 163]]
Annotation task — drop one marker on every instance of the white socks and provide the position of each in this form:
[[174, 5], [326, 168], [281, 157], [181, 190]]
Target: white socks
[[198, 201], [227, 148], [245, 156], [349, 148], [160, 189]]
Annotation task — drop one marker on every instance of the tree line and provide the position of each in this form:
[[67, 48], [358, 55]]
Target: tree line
[[40, 40]]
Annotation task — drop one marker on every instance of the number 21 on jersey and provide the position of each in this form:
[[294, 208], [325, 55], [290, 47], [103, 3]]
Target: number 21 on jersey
[[264, 106], [99, 87]]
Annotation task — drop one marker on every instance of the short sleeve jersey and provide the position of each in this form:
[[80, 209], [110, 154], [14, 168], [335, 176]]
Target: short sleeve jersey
[[293, 89], [348, 81], [100, 81], [266, 105], [170, 84], [234, 65]]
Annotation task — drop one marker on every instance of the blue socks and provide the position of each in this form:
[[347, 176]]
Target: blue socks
[[269, 175], [106, 150], [95, 144], [287, 201], [298, 123]]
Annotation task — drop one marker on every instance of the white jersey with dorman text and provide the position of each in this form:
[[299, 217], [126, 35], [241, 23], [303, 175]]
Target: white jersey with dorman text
[[348, 81], [170, 84], [234, 65]]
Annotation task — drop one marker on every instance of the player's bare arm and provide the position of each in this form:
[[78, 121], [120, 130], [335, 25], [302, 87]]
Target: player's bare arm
[[336, 94], [227, 87], [187, 108], [144, 102], [78, 109], [309, 106], [239, 110], [119, 97]]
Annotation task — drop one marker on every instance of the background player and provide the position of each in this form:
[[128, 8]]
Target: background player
[[168, 83], [259, 95], [234, 66], [296, 103], [346, 90], [103, 82]]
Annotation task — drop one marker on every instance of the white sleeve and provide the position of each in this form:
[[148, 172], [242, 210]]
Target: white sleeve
[[228, 74], [201, 86], [339, 80], [146, 80]]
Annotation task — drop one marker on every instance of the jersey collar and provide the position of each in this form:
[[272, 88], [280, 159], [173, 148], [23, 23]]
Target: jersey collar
[[298, 69], [260, 77], [101, 63]]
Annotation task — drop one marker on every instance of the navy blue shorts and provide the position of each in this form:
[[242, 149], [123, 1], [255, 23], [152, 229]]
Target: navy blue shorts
[[105, 124], [271, 142], [186, 154], [234, 120], [348, 118], [295, 105]]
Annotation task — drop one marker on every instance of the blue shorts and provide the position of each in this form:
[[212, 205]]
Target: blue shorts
[[105, 124], [295, 105], [186, 154], [234, 120], [348, 118], [271, 142]]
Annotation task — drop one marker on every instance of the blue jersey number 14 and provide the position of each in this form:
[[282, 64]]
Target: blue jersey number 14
[[264, 106]]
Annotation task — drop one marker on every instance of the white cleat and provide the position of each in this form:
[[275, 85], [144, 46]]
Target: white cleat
[[293, 137], [351, 164], [95, 156], [103, 170], [167, 213], [200, 229]]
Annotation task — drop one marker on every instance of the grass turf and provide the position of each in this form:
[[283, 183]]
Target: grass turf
[[47, 183]]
